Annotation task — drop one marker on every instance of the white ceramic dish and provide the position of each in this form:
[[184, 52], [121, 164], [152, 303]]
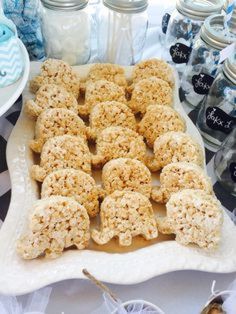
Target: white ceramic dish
[[9, 94], [122, 267]]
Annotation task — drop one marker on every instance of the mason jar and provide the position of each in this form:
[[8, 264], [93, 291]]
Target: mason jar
[[204, 60], [66, 29], [217, 116], [184, 24], [122, 28]]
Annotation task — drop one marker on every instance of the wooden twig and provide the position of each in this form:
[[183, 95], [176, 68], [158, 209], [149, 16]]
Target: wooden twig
[[100, 285]]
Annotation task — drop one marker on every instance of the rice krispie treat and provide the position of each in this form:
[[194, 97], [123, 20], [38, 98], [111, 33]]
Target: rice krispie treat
[[61, 152], [56, 223], [109, 72], [174, 147], [179, 176], [73, 183], [128, 175], [54, 122], [110, 113], [57, 72], [50, 96], [153, 67], [115, 142], [195, 217], [101, 91], [150, 91], [159, 120], [125, 214]]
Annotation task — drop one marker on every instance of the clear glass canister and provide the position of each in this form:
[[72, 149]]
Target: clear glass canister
[[184, 24], [225, 163], [204, 60], [66, 28], [122, 28], [217, 115]]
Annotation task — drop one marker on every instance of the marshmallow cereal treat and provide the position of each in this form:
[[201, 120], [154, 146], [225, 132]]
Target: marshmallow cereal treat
[[159, 120], [73, 183], [50, 96], [57, 72], [110, 113], [174, 147], [153, 67], [195, 217], [56, 223], [54, 122], [150, 91], [61, 152], [109, 72], [116, 142], [128, 175], [125, 214], [178, 176], [101, 91]]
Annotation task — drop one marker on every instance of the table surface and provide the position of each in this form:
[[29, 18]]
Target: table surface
[[182, 292]]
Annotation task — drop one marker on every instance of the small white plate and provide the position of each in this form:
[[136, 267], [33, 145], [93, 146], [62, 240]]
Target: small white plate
[[9, 94]]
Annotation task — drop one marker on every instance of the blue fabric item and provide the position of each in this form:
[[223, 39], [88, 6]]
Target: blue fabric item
[[5, 33], [24, 13]]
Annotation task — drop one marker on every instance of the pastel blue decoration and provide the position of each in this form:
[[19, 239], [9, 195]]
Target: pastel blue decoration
[[11, 61]]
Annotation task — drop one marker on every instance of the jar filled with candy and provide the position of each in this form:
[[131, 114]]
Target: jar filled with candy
[[66, 28], [184, 24], [122, 28], [225, 163], [205, 59], [217, 115]]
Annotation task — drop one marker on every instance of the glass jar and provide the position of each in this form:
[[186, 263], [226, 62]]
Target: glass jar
[[66, 28], [204, 59], [184, 24], [225, 163], [217, 115], [122, 28]]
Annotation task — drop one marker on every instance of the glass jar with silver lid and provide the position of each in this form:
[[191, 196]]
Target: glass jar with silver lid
[[204, 59], [122, 28], [184, 24], [217, 115], [66, 28]]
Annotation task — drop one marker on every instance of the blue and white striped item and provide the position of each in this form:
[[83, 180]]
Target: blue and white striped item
[[11, 61], [229, 11]]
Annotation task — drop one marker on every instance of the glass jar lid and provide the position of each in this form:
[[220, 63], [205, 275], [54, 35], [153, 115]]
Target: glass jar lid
[[64, 5], [124, 6], [214, 33], [199, 9], [229, 68]]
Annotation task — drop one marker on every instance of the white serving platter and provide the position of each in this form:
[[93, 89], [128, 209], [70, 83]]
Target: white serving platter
[[9, 94], [108, 263]]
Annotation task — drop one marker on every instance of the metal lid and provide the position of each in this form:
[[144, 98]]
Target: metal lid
[[199, 9], [214, 33], [124, 6], [65, 5], [229, 68]]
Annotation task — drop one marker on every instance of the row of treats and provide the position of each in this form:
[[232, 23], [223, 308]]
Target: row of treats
[[107, 117]]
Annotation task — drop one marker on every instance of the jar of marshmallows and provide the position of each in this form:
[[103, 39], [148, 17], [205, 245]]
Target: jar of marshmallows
[[66, 28]]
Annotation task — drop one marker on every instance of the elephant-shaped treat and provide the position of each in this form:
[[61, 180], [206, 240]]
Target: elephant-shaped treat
[[61, 152], [125, 214], [50, 96], [73, 183], [56, 223], [159, 120], [195, 217], [55, 122]]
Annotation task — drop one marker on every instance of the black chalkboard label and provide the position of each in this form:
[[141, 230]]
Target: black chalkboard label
[[232, 169], [217, 119], [165, 22], [202, 83], [180, 53]]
